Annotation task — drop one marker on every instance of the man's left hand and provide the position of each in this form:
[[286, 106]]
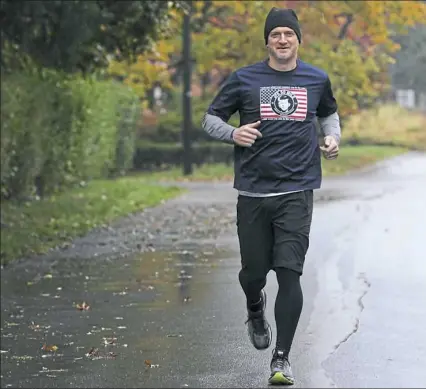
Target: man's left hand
[[330, 149]]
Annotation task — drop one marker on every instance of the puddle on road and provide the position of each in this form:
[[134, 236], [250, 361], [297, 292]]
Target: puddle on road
[[47, 333], [167, 277]]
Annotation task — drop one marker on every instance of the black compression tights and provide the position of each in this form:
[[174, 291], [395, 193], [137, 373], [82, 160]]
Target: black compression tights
[[288, 307], [288, 304]]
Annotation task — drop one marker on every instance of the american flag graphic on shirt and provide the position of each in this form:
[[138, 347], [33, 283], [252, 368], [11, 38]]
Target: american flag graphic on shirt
[[283, 103]]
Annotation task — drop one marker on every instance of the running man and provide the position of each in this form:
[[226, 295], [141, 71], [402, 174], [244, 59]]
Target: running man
[[277, 165]]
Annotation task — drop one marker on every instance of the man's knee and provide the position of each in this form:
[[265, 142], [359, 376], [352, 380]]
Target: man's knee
[[253, 276]]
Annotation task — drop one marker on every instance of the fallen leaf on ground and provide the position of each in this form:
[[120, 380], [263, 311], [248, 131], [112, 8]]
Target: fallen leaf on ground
[[92, 352], [149, 364], [38, 327], [111, 355], [50, 348], [111, 340], [83, 307], [95, 353], [33, 326]]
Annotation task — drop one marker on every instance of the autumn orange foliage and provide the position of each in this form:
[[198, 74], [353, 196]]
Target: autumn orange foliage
[[351, 40]]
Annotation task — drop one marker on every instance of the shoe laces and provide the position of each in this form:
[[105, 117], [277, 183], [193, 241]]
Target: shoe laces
[[257, 320], [279, 359]]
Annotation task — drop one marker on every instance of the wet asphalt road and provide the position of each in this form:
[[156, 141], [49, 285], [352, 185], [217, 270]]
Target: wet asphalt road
[[182, 311]]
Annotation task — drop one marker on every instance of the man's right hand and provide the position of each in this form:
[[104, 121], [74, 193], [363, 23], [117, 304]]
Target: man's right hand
[[247, 134]]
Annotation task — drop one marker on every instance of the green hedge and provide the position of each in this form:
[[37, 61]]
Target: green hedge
[[58, 131], [152, 156]]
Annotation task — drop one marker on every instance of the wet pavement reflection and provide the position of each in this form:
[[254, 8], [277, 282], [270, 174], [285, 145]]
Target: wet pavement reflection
[[98, 310]]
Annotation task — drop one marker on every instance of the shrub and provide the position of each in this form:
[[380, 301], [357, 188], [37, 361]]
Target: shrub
[[56, 131], [26, 116]]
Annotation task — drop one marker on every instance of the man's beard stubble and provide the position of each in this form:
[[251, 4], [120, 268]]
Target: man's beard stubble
[[287, 59]]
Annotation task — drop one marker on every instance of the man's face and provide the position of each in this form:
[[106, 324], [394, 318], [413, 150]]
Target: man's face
[[283, 44], [283, 104]]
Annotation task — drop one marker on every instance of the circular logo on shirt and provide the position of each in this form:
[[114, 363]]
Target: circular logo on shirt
[[283, 102]]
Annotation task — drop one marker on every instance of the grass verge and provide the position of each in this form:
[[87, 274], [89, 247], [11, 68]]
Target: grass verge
[[387, 125], [356, 157], [36, 226]]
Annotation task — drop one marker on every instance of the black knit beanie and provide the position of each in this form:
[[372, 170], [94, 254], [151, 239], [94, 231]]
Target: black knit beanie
[[282, 18]]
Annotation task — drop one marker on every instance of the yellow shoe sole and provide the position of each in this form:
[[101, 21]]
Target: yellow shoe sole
[[280, 379]]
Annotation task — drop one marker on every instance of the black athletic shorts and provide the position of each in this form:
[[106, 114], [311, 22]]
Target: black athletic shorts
[[274, 231]]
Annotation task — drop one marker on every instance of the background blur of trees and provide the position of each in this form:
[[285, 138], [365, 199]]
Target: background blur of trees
[[64, 120], [355, 41], [93, 88], [408, 70]]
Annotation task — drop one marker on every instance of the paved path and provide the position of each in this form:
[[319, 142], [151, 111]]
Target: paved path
[[164, 284]]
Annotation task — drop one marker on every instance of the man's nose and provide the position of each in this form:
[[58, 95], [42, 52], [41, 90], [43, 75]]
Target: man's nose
[[283, 38]]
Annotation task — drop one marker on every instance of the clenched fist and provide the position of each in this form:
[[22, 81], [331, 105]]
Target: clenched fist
[[330, 149], [247, 134]]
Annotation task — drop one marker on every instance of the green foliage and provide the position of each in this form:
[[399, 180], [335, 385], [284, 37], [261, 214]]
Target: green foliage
[[25, 119], [94, 128], [128, 116], [57, 131], [79, 35], [343, 64]]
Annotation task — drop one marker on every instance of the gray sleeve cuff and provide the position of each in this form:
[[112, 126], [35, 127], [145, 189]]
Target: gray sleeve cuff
[[330, 125], [217, 128]]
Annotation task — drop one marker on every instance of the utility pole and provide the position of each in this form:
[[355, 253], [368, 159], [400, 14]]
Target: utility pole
[[186, 100]]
